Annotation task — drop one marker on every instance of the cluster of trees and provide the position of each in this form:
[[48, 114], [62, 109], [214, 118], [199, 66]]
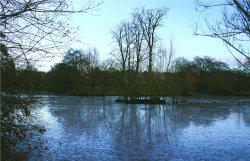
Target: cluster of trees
[[137, 48], [81, 73], [209, 76], [136, 39]]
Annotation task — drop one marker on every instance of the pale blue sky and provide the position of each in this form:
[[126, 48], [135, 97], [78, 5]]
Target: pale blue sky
[[95, 30]]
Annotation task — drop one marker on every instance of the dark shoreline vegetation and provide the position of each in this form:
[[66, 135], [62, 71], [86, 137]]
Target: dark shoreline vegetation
[[79, 75], [201, 76]]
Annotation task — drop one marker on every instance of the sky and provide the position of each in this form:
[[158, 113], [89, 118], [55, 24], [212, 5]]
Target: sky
[[95, 30]]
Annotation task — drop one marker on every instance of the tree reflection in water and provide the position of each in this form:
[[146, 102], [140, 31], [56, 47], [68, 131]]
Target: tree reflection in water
[[96, 128]]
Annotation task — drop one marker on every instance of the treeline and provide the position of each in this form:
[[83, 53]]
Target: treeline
[[139, 65], [81, 73]]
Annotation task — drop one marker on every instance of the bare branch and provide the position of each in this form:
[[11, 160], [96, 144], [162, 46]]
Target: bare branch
[[39, 27], [233, 27]]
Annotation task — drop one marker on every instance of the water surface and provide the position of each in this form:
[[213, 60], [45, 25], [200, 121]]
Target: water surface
[[96, 128]]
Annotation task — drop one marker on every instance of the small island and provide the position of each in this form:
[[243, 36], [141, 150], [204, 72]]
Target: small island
[[142, 100]]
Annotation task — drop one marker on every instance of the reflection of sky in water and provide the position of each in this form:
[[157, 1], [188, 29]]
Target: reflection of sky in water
[[96, 128], [223, 140]]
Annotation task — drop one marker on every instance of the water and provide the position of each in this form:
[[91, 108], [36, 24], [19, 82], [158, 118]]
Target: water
[[96, 128]]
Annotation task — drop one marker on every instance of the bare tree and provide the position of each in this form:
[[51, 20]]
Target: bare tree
[[149, 21], [171, 53], [128, 40], [93, 57], [119, 53], [34, 29], [233, 27], [138, 39], [165, 57]]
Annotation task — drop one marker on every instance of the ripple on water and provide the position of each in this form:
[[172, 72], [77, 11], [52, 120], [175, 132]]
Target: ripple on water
[[96, 128]]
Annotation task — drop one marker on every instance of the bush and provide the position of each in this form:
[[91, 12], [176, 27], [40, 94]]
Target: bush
[[17, 122]]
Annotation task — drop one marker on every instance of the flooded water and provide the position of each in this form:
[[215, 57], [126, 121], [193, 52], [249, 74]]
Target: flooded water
[[96, 128]]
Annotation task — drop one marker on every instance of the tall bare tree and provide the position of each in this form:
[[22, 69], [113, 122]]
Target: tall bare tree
[[165, 56], [150, 20], [128, 40], [233, 27], [138, 39], [34, 29], [119, 53]]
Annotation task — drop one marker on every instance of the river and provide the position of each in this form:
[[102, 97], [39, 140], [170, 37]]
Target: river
[[97, 128]]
